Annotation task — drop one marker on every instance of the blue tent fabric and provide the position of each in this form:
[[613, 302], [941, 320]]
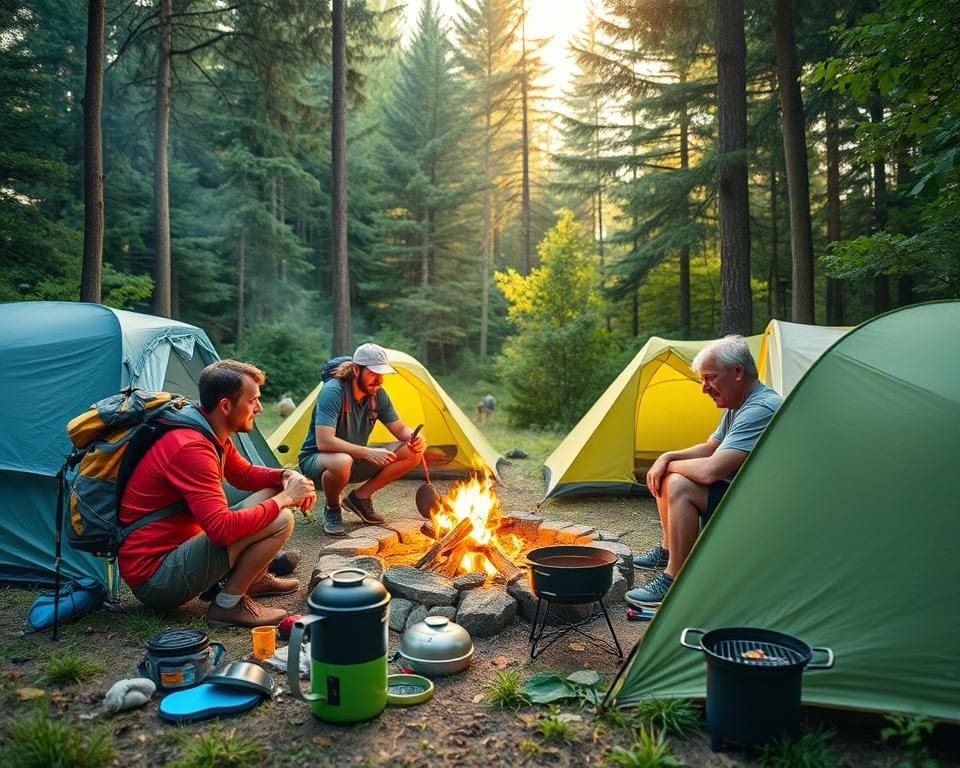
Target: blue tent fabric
[[57, 358]]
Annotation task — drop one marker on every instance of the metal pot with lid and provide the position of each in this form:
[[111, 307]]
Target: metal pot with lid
[[347, 628], [436, 646]]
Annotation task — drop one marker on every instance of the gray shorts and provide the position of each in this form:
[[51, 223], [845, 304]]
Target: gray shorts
[[360, 472], [184, 573]]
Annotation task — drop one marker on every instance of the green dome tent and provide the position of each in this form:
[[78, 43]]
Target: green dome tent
[[57, 358], [839, 530]]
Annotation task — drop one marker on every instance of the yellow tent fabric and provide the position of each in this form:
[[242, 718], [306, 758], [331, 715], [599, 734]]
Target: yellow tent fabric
[[455, 447]]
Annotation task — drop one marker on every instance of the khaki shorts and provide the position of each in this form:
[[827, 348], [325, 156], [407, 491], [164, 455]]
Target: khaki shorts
[[360, 472], [184, 573]]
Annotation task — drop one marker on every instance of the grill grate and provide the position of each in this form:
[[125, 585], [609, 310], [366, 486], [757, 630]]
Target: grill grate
[[773, 654]]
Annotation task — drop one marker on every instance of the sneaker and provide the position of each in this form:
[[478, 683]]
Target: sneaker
[[268, 584], [363, 508], [656, 557], [246, 613], [333, 521], [651, 593], [285, 562]]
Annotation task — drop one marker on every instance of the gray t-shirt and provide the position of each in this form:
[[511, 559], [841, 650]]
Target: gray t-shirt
[[354, 421], [741, 428]]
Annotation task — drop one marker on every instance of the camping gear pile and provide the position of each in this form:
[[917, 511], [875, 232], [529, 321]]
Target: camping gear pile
[[754, 681], [570, 574]]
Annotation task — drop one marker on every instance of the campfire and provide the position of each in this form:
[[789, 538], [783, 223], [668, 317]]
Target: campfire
[[468, 537]]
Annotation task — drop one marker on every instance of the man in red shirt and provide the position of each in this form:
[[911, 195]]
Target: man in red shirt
[[172, 560]]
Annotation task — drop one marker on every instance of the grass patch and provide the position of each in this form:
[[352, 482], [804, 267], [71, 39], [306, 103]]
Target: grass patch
[[811, 750], [556, 731], [677, 716], [144, 623], [217, 749], [651, 750], [69, 668], [506, 690], [36, 741]]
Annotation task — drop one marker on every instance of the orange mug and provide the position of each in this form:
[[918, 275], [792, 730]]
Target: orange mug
[[264, 641]]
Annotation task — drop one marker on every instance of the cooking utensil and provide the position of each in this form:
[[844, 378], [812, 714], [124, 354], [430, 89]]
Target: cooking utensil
[[407, 690], [428, 498], [570, 574], [436, 646], [347, 627], [754, 681]]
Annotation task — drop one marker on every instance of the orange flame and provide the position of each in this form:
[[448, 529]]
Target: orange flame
[[475, 499]]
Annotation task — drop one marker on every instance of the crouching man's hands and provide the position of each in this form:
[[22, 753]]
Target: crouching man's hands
[[299, 489]]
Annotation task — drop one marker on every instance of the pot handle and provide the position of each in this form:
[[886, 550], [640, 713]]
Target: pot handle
[[821, 664], [293, 659], [218, 651], [683, 639]]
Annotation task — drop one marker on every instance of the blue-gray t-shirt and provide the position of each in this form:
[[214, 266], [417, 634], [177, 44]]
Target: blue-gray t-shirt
[[741, 428], [354, 421]]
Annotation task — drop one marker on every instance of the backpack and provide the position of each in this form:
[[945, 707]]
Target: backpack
[[331, 365], [109, 440]]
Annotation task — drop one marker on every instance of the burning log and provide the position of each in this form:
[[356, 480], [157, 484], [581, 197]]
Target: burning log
[[502, 563], [452, 565], [436, 553]]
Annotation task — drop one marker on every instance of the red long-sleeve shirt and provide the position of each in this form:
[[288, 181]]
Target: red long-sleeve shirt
[[184, 465]]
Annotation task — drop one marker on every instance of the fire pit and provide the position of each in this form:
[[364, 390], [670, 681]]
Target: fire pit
[[467, 562]]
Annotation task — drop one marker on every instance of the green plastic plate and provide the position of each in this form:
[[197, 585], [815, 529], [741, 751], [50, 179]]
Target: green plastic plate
[[407, 690]]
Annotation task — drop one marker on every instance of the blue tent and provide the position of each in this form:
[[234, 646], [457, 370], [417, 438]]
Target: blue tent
[[57, 358]]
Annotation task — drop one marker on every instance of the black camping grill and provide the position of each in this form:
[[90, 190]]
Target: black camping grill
[[570, 574], [754, 682]]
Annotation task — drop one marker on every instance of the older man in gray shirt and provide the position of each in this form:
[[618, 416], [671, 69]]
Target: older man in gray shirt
[[688, 484]]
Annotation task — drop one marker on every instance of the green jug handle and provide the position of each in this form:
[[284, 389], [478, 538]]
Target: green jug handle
[[293, 659]]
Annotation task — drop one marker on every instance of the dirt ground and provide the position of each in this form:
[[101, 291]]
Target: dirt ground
[[456, 728]]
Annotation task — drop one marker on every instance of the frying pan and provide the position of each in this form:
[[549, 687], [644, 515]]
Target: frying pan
[[428, 497]]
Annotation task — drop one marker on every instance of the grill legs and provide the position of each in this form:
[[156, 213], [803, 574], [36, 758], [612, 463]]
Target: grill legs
[[541, 639]]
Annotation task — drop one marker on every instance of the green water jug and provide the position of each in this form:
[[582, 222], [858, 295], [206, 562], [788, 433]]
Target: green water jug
[[347, 628]]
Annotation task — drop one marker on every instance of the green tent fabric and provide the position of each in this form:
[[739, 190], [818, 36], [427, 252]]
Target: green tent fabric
[[57, 358], [839, 530]]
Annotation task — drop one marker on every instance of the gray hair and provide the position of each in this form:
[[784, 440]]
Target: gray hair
[[728, 351]]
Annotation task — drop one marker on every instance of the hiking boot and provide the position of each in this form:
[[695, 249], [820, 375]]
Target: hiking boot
[[650, 594], [246, 613], [363, 508], [285, 562], [268, 584], [333, 521], [655, 557]]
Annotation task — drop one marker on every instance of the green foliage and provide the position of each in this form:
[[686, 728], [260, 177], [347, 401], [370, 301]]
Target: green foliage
[[144, 623], [909, 732], [291, 357], [562, 354], [36, 741], [218, 748], [676, 716], [556, 730], [585, 685], [651, 750], [811, 750], [68, 667], [505, 690]]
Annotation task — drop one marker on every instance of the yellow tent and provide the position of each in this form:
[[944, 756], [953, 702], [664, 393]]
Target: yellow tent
[[659, 395], [455, 447]]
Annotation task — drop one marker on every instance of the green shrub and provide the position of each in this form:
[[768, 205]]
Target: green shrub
[[217, 749], [811, 750], [677, 716], [651, 750], [36, 741], [506, 690], [68, 667], [291, 356]]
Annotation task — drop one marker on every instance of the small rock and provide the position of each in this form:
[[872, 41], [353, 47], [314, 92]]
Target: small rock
[[399, 611], [352, 547], [384, 537], [424, 587], [485, 612], [517, 453], [470, 580]]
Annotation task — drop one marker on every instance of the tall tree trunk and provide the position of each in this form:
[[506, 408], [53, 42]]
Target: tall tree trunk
[[487, 238], [241, 278], [525, 261], [795, 155], [773, 279], [905, 294], [736, 312], [834, 285], [685, 216], [342, 336], [92, 271], [162, 291], [881, 283]]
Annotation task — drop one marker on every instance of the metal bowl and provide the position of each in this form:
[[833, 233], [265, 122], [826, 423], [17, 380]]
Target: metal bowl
[[436, 646]]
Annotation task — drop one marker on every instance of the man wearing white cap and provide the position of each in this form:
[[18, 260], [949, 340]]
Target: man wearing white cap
[[335, 450]]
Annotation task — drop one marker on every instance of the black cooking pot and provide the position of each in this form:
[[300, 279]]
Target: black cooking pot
[[569, 574], [754, 682]]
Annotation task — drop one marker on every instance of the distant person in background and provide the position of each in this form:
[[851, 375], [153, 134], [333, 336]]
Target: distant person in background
[[485, 407], [286, 406], [689, 484], [335, 450]]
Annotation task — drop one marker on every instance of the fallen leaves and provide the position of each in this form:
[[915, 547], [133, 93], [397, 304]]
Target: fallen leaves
[[29, 694]]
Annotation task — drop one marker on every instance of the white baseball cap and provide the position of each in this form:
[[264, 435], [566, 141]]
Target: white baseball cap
[[374, 357]]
